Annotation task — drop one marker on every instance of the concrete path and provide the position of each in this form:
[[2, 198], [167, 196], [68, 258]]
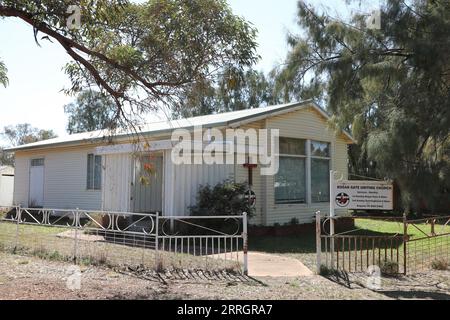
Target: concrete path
[[271, 265]]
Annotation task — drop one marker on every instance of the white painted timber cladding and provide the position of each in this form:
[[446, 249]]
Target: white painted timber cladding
[[6, 186], [304, 124], [242, 176], [116, 182], [21, 179], [184, 181], [64, 179]]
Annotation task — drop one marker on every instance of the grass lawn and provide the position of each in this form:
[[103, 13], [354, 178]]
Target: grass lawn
[[389, 227]]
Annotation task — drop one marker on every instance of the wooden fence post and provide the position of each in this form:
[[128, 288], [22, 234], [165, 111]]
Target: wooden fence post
[[318, 242]]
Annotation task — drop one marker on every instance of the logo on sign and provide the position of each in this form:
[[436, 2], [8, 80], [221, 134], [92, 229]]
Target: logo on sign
[[250, 196], [342, 199]]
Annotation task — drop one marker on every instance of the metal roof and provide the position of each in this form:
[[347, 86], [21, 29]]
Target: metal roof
[[227, 119]]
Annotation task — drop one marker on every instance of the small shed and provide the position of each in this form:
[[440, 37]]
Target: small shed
[[6, 185]]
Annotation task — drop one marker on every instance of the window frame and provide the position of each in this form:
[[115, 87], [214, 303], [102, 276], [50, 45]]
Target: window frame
[[91, 184], [40, 161], [328, 158], [301, 156], [313, 199], [308, 173]]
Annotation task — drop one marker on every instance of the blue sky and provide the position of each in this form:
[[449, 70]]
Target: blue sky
[[36, 77]]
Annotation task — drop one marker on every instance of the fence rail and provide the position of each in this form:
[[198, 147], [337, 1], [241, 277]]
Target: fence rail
[[430, 245], [124, 238], [417, 245]]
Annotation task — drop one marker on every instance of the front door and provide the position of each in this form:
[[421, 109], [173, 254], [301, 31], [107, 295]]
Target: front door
[[148, 183], [36, 198]]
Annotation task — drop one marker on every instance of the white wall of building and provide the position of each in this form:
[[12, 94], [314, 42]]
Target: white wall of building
[[182, 183], [65, 174], [6, 186]]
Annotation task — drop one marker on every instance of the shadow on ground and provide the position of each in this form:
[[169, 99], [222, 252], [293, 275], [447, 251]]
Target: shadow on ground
[[416, 294], [193, 275], [431, 287]]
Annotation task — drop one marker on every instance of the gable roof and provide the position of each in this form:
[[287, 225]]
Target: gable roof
[[227, 119]]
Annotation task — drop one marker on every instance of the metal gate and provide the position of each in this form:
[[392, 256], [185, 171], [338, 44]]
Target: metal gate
[[418, 246]]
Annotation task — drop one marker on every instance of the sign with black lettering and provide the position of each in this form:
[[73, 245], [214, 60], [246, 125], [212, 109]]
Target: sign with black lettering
[[363, 195]]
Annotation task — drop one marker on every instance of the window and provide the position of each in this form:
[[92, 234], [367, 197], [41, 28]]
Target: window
[[37, 162], [94, 172], [320, 171], [290, 146], [290, 181], [304, 171], [320, 149]]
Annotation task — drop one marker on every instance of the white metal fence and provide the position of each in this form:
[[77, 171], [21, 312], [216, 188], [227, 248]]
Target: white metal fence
[[127, 239]]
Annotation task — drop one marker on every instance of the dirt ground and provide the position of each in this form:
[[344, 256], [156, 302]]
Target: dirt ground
[[24, 277]]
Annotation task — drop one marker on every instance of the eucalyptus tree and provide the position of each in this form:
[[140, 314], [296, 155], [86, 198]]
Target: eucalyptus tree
[[142, 55], [90, 111], [24, 133], [231, 90]]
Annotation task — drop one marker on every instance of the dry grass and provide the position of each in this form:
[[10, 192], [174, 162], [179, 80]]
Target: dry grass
[[439, 264], [46, 242]]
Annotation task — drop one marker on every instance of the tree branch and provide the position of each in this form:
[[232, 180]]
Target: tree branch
[[68, 43]]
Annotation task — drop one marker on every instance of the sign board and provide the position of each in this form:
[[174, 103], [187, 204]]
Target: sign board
[[363, 195]]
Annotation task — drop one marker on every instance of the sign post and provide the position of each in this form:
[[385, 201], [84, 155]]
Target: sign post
[[332, 217], [357, 195]]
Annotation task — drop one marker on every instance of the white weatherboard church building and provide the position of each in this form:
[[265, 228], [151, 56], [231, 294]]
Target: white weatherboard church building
[[86, 171]]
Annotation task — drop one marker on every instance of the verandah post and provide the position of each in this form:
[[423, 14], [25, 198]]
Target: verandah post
[[318, 242], [245, 238]]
